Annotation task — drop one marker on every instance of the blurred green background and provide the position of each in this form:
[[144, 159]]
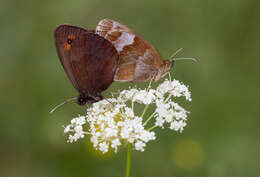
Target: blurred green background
[[222, 136]]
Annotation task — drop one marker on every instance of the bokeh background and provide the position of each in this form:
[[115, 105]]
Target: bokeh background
[[222, 136]]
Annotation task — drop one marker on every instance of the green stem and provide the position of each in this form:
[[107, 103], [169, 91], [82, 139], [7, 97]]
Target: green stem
[[167, 99], [128, 160], [132, 105], [170, 78], [149, 129], [151, 116], [145, 108]]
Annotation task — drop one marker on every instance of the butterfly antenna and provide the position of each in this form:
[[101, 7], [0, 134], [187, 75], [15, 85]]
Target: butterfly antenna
[[175, 53], [193, 59], [175, 59], [64, 102]]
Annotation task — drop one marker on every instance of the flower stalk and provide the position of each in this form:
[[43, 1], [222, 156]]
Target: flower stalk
[[145, 109], [128, 160]]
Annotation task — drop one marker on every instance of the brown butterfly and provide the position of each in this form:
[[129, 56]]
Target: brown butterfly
[[89, 60], [139, 60]]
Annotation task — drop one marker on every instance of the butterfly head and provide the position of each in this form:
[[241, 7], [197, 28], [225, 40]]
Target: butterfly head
[[167, 65], [164, 68], [84, 100]]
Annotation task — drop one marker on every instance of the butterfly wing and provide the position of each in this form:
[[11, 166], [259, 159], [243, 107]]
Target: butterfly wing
[[89, 60], [139, 60], [106, 25]]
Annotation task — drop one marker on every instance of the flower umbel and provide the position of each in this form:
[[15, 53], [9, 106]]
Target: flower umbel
[[113, 122]]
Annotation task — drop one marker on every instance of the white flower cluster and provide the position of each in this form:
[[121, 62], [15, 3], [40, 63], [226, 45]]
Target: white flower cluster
[[113, 122], [76, 128]]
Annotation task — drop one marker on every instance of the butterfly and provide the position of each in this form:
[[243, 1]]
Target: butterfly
[[139, 60], [89, 60], [93, 59]]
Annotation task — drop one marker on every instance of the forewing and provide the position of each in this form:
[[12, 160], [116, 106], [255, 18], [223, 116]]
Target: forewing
[[138, 58], [89, 60], [62, 35]]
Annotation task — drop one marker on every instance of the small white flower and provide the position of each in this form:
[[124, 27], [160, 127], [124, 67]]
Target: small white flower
[[162, 108], [110, 132], [77, 135], [78, 121], [175, 88], [139, 146], [164, 87], [175, 125], [129, 112], [115, 144], [76, 128], [178, 125], [144, 97], [159, 122], [67, 129], [126, 95], [103, 147], [94, 140], [147, 136]]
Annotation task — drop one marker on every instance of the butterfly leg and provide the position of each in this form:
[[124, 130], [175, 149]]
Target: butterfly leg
[[93, 99], [152, 79], [167, 73]]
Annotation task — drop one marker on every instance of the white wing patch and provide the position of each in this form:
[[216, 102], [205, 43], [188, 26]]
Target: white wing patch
[[98, 28], [125, 39], [147, 54], [114, 25]]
